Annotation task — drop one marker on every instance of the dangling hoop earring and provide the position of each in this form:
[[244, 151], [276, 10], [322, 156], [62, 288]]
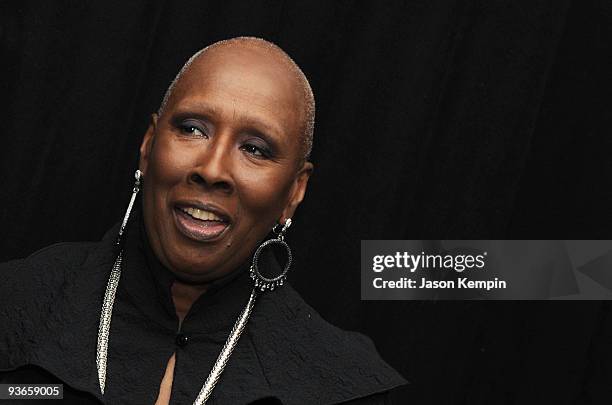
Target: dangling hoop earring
[[262, 282]]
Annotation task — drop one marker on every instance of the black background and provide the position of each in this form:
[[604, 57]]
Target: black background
[[435, 120]]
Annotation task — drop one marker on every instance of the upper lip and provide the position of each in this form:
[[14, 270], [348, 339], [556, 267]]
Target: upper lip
[[206, 206]]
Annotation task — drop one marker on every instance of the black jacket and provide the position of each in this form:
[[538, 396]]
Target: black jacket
[[49, 315]]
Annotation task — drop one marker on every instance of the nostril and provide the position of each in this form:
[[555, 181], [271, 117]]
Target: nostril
[[196, 178], [224, 186]]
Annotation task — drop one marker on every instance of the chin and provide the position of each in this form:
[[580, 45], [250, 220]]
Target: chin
[[188, 270]]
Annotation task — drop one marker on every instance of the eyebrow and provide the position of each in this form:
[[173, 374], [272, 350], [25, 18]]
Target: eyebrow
[[196, 110], [260, 129]]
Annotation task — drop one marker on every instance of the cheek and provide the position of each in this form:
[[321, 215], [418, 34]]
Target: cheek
[[168, 163], [263, 194]]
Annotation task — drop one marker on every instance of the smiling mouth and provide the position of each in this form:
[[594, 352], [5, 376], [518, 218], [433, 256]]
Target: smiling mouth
[[199, 224]]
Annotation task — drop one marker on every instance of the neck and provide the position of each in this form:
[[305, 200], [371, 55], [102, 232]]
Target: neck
[[184, 295]]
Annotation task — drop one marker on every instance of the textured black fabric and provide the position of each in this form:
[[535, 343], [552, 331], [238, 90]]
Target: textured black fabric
[[50, 312]]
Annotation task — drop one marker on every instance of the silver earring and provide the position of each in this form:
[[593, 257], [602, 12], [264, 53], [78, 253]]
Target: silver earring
[[265, 283], [126, 217]]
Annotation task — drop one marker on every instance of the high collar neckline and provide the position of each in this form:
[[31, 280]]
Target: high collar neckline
[[147, 283]]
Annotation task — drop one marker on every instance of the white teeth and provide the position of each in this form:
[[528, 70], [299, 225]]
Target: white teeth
[[202, 214]]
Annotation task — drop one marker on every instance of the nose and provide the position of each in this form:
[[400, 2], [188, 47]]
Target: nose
[[213, 169]]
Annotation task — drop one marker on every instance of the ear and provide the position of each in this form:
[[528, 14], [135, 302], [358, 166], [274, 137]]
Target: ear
[[147, 144], [298, 190]]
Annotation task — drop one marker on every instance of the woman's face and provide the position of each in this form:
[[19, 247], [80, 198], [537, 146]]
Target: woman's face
[[220, 163]]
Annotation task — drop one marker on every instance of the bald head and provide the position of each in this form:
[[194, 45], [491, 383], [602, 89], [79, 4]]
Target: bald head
[[275, 55]]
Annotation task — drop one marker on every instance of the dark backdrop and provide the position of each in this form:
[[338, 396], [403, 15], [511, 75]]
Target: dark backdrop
[[435, 120]]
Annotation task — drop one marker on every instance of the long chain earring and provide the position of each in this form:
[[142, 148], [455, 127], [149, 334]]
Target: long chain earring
[[111, 289], [126, 217], [262, 282]]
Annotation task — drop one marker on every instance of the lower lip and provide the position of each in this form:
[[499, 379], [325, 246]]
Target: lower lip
[[201, 231]]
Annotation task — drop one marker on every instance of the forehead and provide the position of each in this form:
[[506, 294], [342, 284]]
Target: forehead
[[243, 83]]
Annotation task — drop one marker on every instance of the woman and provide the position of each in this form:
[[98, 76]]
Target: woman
[[196, 297]]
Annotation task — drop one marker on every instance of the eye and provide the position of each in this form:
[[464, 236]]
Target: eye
[[255, 150], [192, 130]]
